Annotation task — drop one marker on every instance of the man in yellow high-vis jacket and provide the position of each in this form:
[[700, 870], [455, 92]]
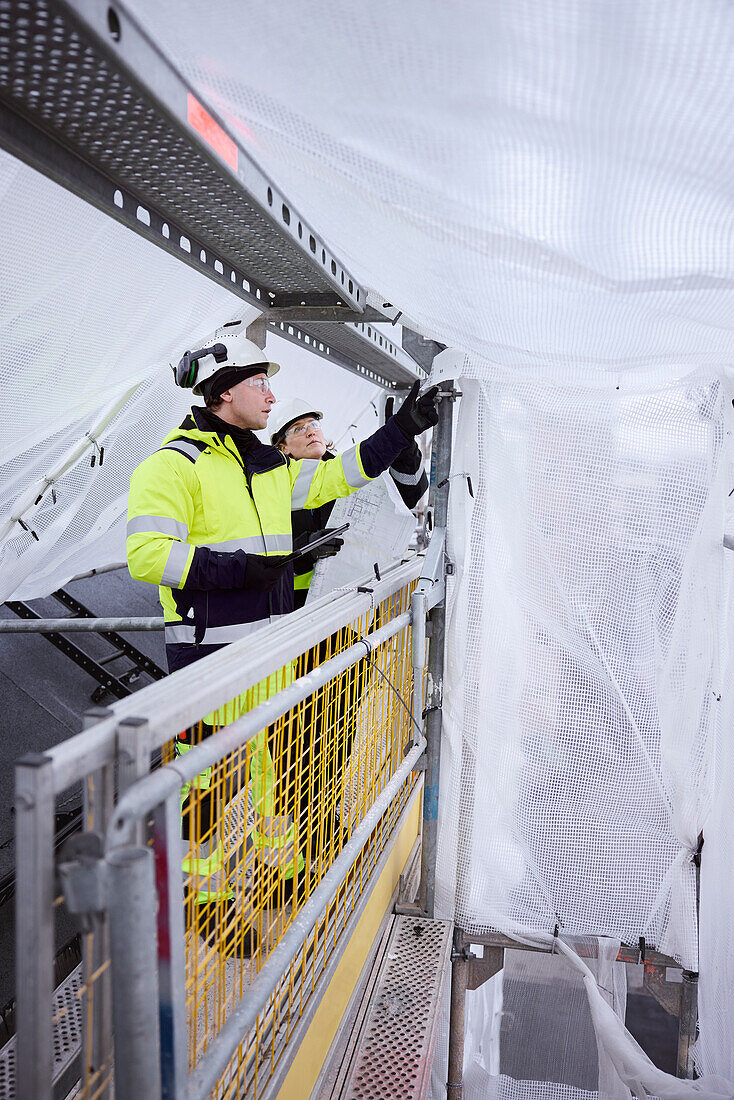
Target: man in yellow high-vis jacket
[[210, 512]]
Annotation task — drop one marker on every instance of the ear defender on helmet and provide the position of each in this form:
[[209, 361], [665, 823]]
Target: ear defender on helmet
[[187, 370]]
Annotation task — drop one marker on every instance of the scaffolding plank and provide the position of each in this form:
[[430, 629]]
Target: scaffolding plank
[[88, 99], [398, 1037], [67, 1014]]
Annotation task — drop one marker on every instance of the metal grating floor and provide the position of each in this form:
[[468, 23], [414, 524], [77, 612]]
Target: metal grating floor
[[398, 1036], [67, 1035]]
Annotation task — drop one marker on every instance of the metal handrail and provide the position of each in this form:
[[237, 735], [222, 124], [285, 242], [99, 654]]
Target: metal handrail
[[243, 1017], [69, 625], [181, 699], [157, 794], [155, 788]]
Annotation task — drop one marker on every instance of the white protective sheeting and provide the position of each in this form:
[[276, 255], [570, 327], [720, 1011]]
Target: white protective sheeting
[[90, 316], [582, 719], [518, 1002], [547, 187]]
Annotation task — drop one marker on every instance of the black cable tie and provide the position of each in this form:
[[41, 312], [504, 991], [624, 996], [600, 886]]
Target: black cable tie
[[93, 459], [469, 486], [38, 499], [363, 588], [441, 484], [28, 529], [642, 950], [697, 853], [101, 455], [53, 495], [377, 571]]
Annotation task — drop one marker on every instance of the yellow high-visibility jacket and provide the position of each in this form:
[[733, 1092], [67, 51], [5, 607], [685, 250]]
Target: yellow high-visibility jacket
[[200, 503]]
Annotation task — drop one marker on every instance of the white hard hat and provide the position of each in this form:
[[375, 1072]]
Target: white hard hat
[[226, 348], [287, 412]]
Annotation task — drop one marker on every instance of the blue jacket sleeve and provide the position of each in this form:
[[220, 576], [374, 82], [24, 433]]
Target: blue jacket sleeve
[[379, 450]]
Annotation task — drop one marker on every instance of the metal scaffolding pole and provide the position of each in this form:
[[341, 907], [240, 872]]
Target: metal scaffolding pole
[[133, 954], [34, 837], [68, 625], [442, 446], [457, 1019]]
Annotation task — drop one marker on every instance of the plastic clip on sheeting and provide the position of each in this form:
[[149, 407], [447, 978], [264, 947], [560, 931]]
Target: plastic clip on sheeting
[[98, 451]]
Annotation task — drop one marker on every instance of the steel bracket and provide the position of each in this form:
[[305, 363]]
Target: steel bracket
[[420, 764], [667, 994], [82, 872], [431, 582], [484, 968]]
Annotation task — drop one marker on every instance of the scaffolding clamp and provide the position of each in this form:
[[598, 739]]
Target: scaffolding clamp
[[82, 872]]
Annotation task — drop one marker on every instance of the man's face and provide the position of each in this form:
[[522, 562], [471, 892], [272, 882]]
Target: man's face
[[304, 439], [247, 404]]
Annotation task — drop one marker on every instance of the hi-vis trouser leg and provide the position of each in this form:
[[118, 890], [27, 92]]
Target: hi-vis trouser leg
[[213, 810]]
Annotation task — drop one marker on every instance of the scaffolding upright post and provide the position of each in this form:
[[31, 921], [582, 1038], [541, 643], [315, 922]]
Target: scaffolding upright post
[[133, 954], [442, 451], [99, 805], [34, 925], [457, 1018]]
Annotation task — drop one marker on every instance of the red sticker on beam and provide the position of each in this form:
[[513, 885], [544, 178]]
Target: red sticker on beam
[[212, 132]]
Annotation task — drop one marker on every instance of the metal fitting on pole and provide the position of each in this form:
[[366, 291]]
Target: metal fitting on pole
[[133, 954]]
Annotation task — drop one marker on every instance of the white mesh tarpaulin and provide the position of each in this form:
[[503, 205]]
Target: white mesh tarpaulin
[[90, 317], [548, 187]]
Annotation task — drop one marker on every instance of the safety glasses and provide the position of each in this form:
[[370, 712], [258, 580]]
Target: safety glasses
[[262, 384], [301, 429]]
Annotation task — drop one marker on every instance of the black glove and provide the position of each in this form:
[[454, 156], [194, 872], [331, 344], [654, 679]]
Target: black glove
[[416, 414], [262, 573], [306, 562]]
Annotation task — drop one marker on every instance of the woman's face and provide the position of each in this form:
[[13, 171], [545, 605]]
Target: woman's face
[[304, 439]]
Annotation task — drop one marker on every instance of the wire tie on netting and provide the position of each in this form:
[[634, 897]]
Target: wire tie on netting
[[28, 529], [555, 937], [377, 571], [387, 679], [469, 485], [98, 451]]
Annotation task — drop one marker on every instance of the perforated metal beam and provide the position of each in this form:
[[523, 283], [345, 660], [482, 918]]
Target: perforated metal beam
[[87, 99]]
